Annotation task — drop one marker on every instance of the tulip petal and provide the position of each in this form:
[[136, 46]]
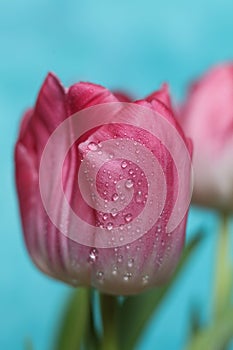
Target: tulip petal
[[83, 95], [122, 97], [207, 117]]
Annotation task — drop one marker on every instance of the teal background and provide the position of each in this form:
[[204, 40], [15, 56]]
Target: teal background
[[131, 45]]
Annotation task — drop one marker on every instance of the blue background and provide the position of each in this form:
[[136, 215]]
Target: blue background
[[133, 45]]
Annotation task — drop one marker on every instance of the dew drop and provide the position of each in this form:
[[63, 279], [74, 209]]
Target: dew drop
[[129, 183], [114, 212], [120, 258], [124, 164], [114, 271], [127, 276], [145, 279], [109, 226], [115, 197], [139, 197], [105, 216], [93, 255], [100, 275], [92, 146], [122, 197], [128, 217], [130, 262]]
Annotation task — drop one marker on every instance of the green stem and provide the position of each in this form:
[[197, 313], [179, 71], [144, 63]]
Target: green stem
[[223, 282], [109, 305], [74, 322], [91, 340]]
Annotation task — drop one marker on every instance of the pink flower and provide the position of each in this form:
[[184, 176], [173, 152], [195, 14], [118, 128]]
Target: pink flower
[[121, 182], [207, 117]]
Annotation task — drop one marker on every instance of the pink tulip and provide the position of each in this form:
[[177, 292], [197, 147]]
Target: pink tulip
[[207, 117], [127, 248]]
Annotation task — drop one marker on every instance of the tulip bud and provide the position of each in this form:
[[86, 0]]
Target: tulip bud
[[103, 186], [207, 117]]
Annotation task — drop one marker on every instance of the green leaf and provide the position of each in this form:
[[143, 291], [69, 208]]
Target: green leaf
[[223, 279], [109, 308], [92, 338], [75, 322], [137, 310], [216, 336]]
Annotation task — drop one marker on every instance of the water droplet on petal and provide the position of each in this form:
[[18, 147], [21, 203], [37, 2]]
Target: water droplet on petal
[[92, 146], [100, 275], [130, 262], [114, 212], [115, 197], [105, 216], [120, 258], [127, 276], [128, 217], [139, 197], [109, 226], [114, 271], [93, 255], [129, 183], [145, 279], [124, 164]]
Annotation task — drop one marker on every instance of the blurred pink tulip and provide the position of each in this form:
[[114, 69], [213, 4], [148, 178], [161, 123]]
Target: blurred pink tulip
[[124, 268], [207, 117]]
